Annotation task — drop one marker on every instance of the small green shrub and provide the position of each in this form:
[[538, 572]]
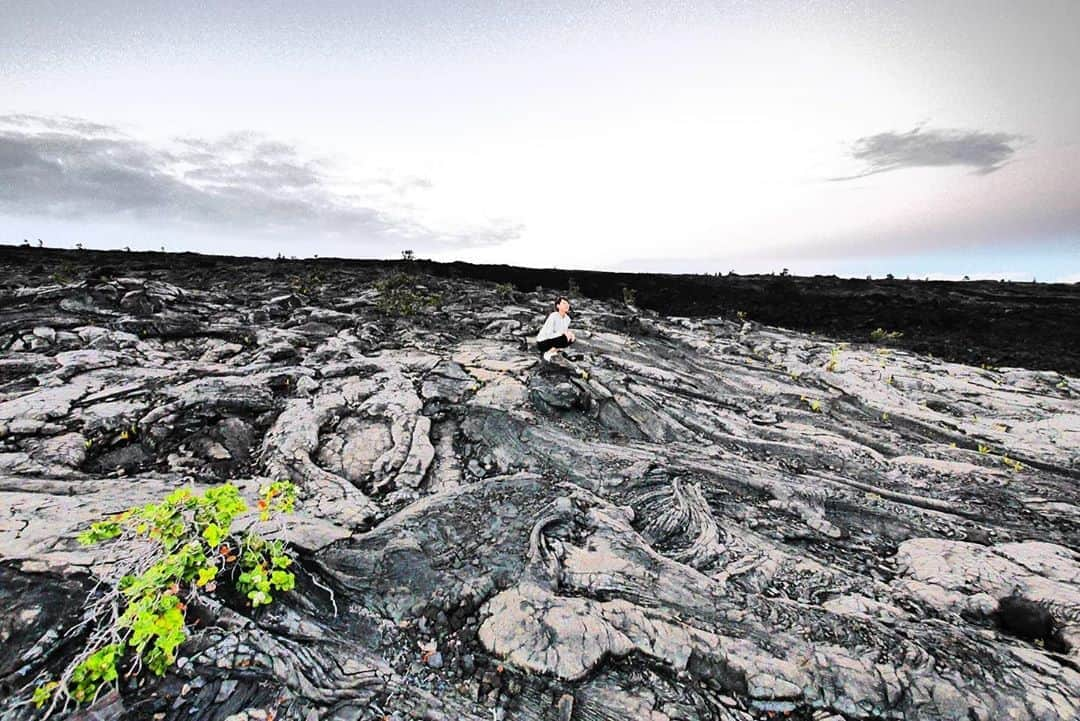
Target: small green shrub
[[398, 295], [188, 542], [504, 290], [629, 295], [307, 284], [65, 274], [879, 334], [394, 281]]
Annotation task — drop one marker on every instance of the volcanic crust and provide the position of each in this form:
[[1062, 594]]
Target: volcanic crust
[[687, 518]]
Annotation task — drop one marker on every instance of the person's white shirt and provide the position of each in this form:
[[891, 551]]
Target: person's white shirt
[[554, 326]]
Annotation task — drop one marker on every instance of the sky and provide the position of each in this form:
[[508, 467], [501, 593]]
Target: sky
[[930, 139]]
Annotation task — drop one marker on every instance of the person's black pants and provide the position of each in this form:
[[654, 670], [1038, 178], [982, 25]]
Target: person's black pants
[[559, 341]]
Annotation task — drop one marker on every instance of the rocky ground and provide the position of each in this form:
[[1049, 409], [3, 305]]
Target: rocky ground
[[691, 518]]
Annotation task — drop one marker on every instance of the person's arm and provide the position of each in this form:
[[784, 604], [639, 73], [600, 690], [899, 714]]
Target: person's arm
[[548, 330]]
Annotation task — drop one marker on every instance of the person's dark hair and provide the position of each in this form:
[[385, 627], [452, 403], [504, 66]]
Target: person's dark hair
[[560, 299]]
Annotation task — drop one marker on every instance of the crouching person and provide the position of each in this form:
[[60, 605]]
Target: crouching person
[[556, 332]]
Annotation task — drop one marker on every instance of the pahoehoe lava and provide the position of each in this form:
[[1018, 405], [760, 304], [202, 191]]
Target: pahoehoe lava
[[698, 516]]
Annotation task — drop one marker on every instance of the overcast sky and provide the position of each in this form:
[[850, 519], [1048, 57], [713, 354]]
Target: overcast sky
[[919, 138]]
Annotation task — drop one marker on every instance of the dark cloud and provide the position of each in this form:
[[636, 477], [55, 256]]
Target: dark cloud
[[70, 168], [921, 148]]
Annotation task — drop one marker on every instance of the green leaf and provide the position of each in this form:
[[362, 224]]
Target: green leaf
[[259, 598], [206, 575], [283, 580], [43, 693], [213, 534]]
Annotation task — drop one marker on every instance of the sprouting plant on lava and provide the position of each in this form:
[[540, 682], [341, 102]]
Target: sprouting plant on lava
[[1012, 463], [65, 273], [182, 546], [814, 403], [504, 290], [398, 295], [629, 295], [306, 284], [834, 359], [983, 449], [129, 433], [879, 334]]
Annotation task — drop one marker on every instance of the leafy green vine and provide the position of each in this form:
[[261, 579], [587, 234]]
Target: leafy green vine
[[185, 544]]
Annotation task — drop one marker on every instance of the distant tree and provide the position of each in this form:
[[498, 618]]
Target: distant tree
[[78, 246], [784, 272], [127, 248], [40, 243], [26, 243], [890, 276], [967, 277], [407, 255]]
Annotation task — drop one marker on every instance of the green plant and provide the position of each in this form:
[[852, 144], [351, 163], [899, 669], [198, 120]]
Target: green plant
[[185, 543], [878, 334], [306, 284], [398, 296], [814, 403], [129, 433], [1015, 465], [834, 359], [65, 273], [572, 288], [629, 295], [504, 290]]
